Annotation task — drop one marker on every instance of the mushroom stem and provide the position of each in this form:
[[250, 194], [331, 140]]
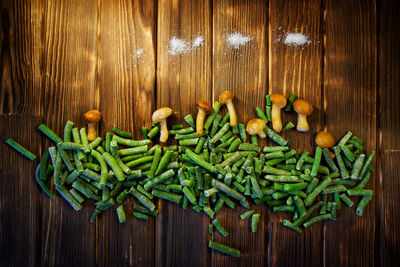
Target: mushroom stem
[[262, 134], [164, 131], [276, 118], [302, 124], [92, 131], [232, 113], [200, 122]]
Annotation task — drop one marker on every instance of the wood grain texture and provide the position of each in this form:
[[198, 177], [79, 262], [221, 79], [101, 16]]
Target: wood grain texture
[[20, 57], [70, 81], [126, 95], [182, 80], [389, 74], [20, 197], [350, 104], [244, 72], [390, 211]]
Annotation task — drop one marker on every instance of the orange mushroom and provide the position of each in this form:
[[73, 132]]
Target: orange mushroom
[[325, 140], [278, 102], [204, 108], [256, 126], [303, 109], [226, 98], [160, 116], [92, 117]]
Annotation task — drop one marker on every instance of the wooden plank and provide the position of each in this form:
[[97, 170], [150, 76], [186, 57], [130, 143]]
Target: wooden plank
[[20, 197], [389, 77], [296, 69], [244, 72], [350, 104], [69, 58], [126, 88], [182, 79], [20, 57], [390, 219]]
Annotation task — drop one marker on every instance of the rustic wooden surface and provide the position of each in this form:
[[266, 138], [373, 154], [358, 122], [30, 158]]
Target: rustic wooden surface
[[60, 58]]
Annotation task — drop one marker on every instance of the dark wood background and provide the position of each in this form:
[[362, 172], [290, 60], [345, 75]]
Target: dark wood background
[[60, 58]]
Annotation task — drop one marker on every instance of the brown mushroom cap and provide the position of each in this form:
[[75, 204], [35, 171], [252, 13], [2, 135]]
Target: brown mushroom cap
[[254, 126], [204, 106], [161, 114], [324, 139], [279, 100], [225, 97], [92, 116], [303, 107]]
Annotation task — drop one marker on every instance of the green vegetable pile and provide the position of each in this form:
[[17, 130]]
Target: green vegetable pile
[[219, 168]]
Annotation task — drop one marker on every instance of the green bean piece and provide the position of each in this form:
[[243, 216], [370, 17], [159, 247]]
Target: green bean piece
[[189, 120], [163, 162], [363, 181], [316, 219], [329, 160], [167, 195], [189, 195], [68, 197], [188, 136], [268, 112], [187, 130], [308, 214], [100, 150], [91, 175], [68, 130], [291, 161], [74, 146], [94, 215], [134, 151], [289, 208], [334, 189], [65, 158], [344, 139], [227, 200], [215, 124], [359, 192], [121, 197], [57, 169], [112, 162], [312, 185], [200, 161], [103, 167], [156, 160], [254, 222], [224, 249], [346, 200], [218, 205], [220, 133], [199, 145], [288, 126], [295, 186], [256, 187], [140, 215], [121, 133], [261, 114], [283, 178], [249, 147], [357, 166], [290, 225], [209, 211], [268, 149], [317, 190], [228, 190], [317, 161], [362, 204], [130, 142], [84, 140], [189, 142], [25, 152], [144, 192], [224, 119], [75, 135], [246, 215], [176, 127], [226, 136], [274, 155], [142, 199], [367, 162], [159, 179], [42, 183], [343, 171], [242, 132], [301, 160], [43, 166], [212, 116], [92, 166], [105, 194], [290, 102], [334, 208], [95, 143], [144, 210], [76, 195], [275, 171], [154, 131], [347, 152], [219, 227], [275, 137], [49, 133], [121, 214]]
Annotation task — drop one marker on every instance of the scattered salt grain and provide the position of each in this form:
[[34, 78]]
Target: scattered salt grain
[[139, 53], [199, 41], [179, 46], [296, 39], [236, 40]]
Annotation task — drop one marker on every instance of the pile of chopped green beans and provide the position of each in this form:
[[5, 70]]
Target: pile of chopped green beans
[[206, 173]]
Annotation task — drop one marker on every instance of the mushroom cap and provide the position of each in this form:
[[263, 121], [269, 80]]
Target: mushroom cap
[[254, 126], [324, 139], [161, 114], [204, 106], [92, 116], [279, 100], [303, 107], [225, 97]]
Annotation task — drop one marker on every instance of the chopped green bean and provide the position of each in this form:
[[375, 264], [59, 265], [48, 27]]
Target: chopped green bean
[[290, 102], [275, 137], [290, 225], [242, 132], [212, 116], [343, 171], [224, 249], [121, 214], [318, 189], [254, 222], [140, 215], [142, 199], [20, 149], [49, 133], [367, 162], [219, 227], [166, 195], [316, 219], [316, 163], [362, 204], [344, 139]]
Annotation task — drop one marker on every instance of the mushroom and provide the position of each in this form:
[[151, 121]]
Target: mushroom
[[278, 102], [92, 117], [204, 108], [325, 140], [160, 116], [303, 108], [256, 126], [226, 98]]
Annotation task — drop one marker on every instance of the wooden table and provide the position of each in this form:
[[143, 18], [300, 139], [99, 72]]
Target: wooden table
[[60, 58]]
